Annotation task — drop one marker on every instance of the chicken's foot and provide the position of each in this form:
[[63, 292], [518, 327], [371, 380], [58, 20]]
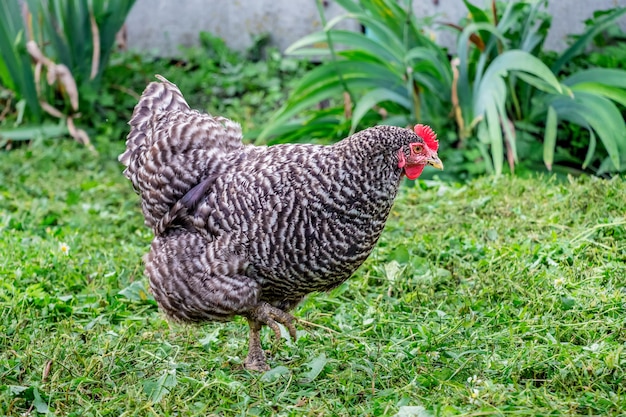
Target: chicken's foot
[[265, 313]]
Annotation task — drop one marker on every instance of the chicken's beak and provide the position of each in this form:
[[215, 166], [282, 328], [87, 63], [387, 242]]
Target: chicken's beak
[[435, 162]]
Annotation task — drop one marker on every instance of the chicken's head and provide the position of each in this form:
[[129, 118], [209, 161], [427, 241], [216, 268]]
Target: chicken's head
[[419, 154]]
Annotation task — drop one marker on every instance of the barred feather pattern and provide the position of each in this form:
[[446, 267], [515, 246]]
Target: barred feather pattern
[[171, 148], [239, 225]]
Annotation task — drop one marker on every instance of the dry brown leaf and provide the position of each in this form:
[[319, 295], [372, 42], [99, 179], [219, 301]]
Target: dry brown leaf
[[95, 58], [35, 52], [48, 108], [46, 371], [71, 127], [38, 67], [79, 135], [51, 72], [458, 115], [65, 77], [347, 105]]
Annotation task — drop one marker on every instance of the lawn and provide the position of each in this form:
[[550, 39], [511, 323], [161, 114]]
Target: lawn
[[500, 296]]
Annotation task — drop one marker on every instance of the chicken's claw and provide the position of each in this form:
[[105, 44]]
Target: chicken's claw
[[271, 316]]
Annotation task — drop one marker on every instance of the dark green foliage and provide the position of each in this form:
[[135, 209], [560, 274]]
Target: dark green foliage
[[505, 90], [393, 73], [16, 73], [65, 31]]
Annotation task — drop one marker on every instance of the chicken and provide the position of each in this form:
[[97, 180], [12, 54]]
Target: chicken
[[251, 230]]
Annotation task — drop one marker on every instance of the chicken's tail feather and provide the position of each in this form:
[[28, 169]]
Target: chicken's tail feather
[[158, 98], [170, 149]]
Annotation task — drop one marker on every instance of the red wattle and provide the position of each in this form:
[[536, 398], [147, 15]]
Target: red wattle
[[413, 171]]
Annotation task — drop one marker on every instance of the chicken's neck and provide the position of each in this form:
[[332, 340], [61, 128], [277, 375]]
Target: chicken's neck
[[370, 177]]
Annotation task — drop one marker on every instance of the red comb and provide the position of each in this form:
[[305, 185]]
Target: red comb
[[429, 136]]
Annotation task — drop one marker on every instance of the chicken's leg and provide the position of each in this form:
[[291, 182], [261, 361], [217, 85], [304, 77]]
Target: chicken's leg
[[265, 313], [256, 357]]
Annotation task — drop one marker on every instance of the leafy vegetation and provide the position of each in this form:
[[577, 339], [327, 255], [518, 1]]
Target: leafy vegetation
[[393, 71], [498, 91], [246, 87], [501, 296], [70, 42], [506, 45]]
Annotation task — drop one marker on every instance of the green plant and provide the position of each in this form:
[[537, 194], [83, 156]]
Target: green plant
[[392, 71], [16, 72], [70, 42], [488, 74], [504, 90], [592, 104], [216, 79]]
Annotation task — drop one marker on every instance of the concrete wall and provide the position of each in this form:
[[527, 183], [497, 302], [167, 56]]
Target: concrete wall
[[162, 25]]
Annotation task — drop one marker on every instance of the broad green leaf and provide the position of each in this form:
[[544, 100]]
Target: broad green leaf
[[599, 113], [427, 58], [465, 89], [510, 16], [304, 128], [374, 97], [607, 165], [392, 16], [491, 95], [477, 14], [378, 74], [381, 32], [323, 83], [549, 138], [495, 135], [350, 6], [45, 131], [348, 38], [311, 52], [40, 405], [518, 60], [606, 76], [413, 411], [483, 135], [317, 366], [17, 73], [136, 292], [491, 91], [540, 84], [579, 46], [328, 125], [275, 373], [612, 93], [393, 270], [531, 36], [509, 136], [157, 389]]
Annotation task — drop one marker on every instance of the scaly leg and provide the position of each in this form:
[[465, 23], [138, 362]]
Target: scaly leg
[[269, 315], [256, 357]]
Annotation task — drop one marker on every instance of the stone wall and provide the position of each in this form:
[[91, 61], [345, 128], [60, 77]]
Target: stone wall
[[161, 25]]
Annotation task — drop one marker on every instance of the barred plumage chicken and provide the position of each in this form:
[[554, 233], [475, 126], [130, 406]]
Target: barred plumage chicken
[[251, 230]]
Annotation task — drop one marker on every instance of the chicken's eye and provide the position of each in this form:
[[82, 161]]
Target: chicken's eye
[[417, 148]]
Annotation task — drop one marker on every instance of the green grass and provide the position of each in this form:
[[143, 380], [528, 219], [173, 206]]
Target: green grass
[[497, 297]]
